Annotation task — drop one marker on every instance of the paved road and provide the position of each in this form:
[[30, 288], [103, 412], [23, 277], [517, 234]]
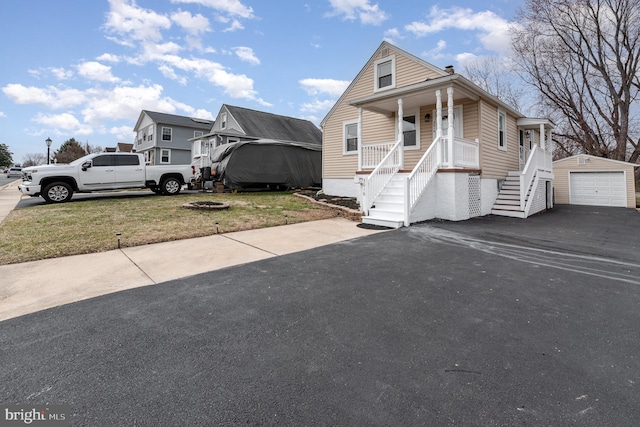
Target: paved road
[[488, 322]]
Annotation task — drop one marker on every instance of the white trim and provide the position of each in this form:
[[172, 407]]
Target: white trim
[[344, 137], [223, 120], [170, 134], [168, 150], [599, 158], [392, 59], [504, 131], [416, 114]]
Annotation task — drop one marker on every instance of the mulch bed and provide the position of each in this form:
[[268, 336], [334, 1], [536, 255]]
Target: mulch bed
[[347, 202]]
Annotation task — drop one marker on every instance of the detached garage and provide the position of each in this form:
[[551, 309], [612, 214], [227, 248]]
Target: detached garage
[[594, 181]]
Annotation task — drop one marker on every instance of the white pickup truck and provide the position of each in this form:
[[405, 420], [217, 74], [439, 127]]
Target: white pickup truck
[[102, 171]]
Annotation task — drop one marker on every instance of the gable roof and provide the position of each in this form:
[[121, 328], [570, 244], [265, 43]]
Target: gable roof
[[383, 45], [175, 120], [596, 157], [259, 124]]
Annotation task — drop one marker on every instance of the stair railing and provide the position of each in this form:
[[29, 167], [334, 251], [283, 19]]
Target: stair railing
[[420, 176], [381, 175], [528, 174]]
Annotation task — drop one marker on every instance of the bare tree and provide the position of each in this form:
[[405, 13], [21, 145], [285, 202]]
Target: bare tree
[[34, 159], [583, 57], [496, 75]]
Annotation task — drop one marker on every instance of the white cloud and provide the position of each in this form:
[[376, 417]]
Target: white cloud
[[192, 24], [170, 73], [328, 86], [361, 10], [27, 95], [122, 133], [61, 73], [235, 26], [465, 57], [2, 114], [246, 54], [391, 35], [127, 20], [96, 71], [317, 106], [493, 30], [108, 57], [64, 121], [231, 7]]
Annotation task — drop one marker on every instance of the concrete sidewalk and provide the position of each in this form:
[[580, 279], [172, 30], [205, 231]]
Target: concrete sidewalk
[[37, 285]]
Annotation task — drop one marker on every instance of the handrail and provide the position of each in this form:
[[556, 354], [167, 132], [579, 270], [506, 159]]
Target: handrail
[[372, 154], [536, 161], [420, 176], [381, 175]]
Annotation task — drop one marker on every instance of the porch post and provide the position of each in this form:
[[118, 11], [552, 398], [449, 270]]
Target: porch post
[[359, 136], [400, 132], [450, 122], [439, 124], [542, 137]]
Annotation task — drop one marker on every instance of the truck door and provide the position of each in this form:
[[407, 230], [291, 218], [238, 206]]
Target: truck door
[[100, 175], [129, 171]]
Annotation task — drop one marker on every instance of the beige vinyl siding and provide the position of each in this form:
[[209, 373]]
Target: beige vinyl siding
[[561, 169], [494, 162], [375, 127]]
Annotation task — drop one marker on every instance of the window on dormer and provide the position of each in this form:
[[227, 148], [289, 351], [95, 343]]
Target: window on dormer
[[223, 121]]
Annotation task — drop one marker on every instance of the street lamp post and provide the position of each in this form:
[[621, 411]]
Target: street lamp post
[[48, 141]]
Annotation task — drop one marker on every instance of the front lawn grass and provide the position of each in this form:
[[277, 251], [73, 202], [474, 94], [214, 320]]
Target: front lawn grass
[[87, 226]]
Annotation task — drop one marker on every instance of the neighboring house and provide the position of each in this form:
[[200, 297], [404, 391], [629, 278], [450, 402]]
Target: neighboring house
[[414, 142], [237, 124], [589, 180], [123, 147], [164, 138]]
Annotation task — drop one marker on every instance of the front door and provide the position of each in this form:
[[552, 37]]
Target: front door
[[457, 122]]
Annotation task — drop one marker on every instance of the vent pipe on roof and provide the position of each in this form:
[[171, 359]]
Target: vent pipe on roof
[[449, 69]]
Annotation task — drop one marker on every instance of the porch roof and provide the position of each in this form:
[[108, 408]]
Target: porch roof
[[424, 93], [534, 123]]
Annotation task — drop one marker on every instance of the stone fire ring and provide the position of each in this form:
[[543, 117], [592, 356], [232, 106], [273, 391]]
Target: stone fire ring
[[206, 206]]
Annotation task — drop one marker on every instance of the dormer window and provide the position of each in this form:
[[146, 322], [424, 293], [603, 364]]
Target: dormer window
[[385, 73]]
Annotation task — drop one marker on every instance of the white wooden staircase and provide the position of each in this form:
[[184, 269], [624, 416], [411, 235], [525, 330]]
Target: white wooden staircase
[[508, 200], [388, 209]]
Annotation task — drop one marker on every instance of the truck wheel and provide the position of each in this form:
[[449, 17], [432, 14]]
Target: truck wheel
[[171, 186], [57, 192]]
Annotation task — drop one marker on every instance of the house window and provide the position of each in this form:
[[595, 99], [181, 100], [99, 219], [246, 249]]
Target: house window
[[385, 73], [197, 133], [223, 121], [502, 130], [165, 156], [150, 133], [409, 130], [350, 137], [166, 134]]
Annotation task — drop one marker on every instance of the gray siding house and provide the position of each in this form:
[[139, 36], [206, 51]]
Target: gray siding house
[[237, 124], [164, 138]]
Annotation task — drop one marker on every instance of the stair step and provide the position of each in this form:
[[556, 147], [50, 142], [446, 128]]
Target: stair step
[[513, 214], [382, 222], [508, 197], [507, 207], [507, 202], [385, 206]]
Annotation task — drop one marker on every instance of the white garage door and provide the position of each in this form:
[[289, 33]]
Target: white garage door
[[598, 188]]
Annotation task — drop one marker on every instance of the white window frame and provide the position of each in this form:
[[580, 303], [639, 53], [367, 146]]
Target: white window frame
[[197, 133], [223, 121], [168, 151], [391, 58], [170, 134], [344, 138], [502, 146], [416, 115], [150, 133]]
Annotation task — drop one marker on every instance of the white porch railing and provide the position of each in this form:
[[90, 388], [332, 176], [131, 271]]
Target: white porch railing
[[420, 176], [381, 175], [372, 154], [539, 160], [465, 153]]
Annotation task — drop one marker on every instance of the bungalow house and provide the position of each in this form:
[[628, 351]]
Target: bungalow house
[[237, 124], [415, 142], [164, 138]]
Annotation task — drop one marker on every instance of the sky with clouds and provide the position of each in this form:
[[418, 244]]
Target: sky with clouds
[[85, 69]]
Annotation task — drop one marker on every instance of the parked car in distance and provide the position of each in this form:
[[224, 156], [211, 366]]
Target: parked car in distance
[[14, 172]]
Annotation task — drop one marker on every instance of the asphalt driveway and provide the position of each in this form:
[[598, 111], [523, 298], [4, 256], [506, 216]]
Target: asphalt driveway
[[488, 322]]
